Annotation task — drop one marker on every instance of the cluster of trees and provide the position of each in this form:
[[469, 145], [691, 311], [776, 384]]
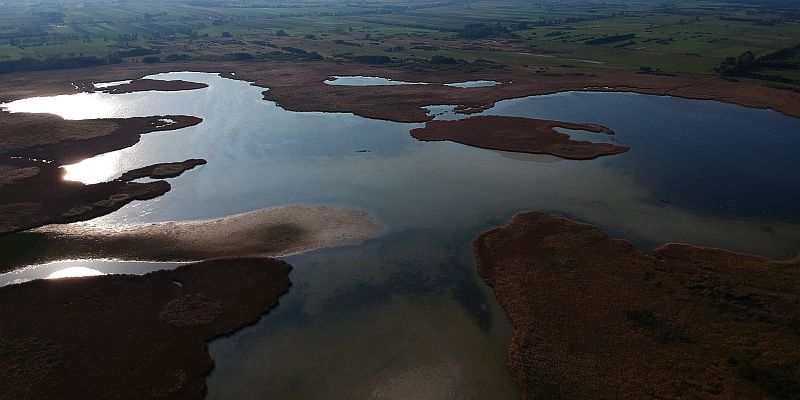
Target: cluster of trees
[[288, 54], [743, 62], [747, 65], [781, 59]]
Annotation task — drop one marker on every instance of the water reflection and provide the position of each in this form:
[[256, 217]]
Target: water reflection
[[93, 170], [74, 272], [72, 106], [103, 85], [70, 268], [367, 81], [374, 320], [473, 84], [378, 81]]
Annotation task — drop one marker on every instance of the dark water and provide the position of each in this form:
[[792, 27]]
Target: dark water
[[405, 315]]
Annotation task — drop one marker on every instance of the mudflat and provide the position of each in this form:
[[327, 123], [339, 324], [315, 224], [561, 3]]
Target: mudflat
[[594, 317]]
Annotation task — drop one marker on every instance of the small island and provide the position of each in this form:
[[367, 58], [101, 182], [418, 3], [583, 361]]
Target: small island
[[522, 135], [147, 85], [162, 170]]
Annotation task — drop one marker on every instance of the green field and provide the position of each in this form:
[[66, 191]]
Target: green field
[[670, 37]]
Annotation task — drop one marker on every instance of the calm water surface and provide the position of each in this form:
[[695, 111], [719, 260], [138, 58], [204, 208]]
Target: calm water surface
[[405, 315], [378, 81]]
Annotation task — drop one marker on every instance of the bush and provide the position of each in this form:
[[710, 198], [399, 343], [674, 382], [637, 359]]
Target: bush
[[242, 56], [373, 59], [177, 57], [151, 60], [443, 60]]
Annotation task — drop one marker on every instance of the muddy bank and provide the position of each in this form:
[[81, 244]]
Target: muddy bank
[[267, 232], [596, 318], [129, 336], [299, 85], [162, 170], [147, 85], [32, 146], [522, 135]]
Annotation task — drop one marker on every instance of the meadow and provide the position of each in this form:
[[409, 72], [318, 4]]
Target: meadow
[[692, 37]]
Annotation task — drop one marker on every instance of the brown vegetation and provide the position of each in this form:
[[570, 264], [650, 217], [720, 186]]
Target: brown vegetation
[[299, 85], [32, 146], [51, 138], [129, 336], [524, 135], [596, 318]]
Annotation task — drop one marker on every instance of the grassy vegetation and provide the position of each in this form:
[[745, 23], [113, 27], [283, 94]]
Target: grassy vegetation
[[693, 36]]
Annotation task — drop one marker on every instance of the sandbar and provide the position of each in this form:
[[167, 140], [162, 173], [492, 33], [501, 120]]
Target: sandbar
[[275, 231]]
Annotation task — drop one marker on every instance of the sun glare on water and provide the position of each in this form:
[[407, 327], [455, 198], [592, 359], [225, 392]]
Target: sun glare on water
[[71, 106], [74, 272], [93, 170]]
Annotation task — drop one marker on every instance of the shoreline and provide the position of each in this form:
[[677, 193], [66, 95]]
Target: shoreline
[[32, 148], [305, 90]]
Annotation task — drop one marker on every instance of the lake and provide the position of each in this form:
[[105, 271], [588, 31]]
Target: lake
[[407, 312]]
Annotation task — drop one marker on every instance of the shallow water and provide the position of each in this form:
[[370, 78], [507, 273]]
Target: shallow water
[[407, 310], [73, 268], [473, 84], [378, 81], [367, 81]]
